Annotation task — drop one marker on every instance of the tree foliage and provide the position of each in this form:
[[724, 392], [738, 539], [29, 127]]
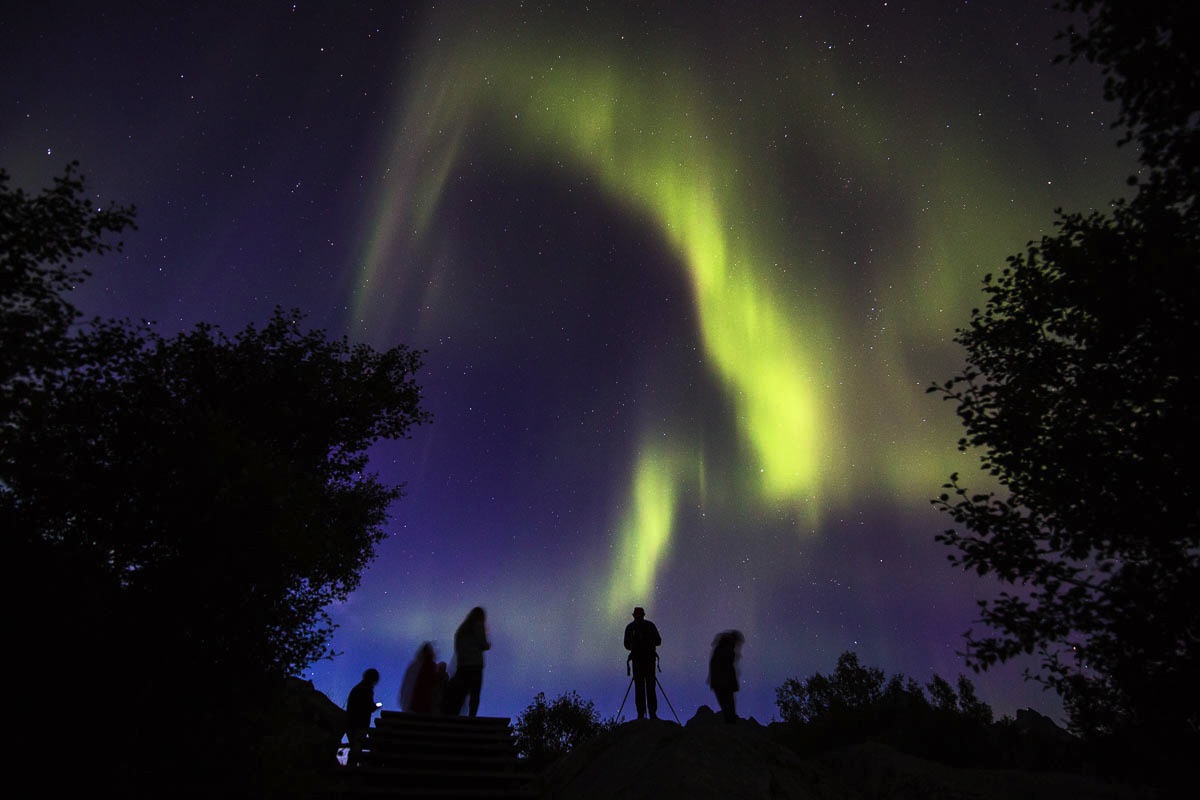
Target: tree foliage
[[217, 483], [183, 508], [853, 689], [1151, 70], [42, 237], [545, 731], [1080, 394], [850, 689], [856, 703]]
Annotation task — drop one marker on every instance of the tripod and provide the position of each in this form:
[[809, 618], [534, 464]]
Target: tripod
[[657, 682]]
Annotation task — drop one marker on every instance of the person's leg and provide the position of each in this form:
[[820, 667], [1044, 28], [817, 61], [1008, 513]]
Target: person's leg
[[639, 689], [457, 691], [476, 688], [725, 698], [472, 683]]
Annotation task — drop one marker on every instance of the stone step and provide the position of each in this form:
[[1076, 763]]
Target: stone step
[[443, 722], [371, 775], [350, 790], [415, 744], [410, 755], [446, 760], [459, 720], [409, 733], [411, 782], [406, 744], [442, 793], [466, 734], [484, 736]]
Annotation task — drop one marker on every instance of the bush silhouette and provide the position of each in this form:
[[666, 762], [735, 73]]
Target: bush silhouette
[[546, 731], [857, 703]]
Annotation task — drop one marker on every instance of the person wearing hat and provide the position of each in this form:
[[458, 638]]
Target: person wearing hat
[[641, 639]]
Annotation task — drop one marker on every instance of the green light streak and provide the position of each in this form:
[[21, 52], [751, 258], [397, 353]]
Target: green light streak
[[646, 528], [643, 146], [821, 384], [656, 149]]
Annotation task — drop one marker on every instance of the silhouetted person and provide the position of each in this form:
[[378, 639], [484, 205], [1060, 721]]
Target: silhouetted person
[[722, 671], [441, 683], [420, 679], [641, 637], [360, 705], [470, 642]]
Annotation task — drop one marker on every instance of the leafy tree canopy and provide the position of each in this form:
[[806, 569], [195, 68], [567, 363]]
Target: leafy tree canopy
[[216, 482], [41, 238], [1151, 70], [854, 690], [183, 509], [545, 731], [1080, 394], [856, 703]]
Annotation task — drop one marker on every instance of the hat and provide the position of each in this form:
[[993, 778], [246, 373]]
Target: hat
[[639, 612]]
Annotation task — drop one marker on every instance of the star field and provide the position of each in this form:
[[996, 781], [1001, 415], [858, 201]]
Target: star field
[[682, 273]]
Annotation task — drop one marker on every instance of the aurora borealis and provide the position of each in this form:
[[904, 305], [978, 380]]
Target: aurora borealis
[[682, 272]]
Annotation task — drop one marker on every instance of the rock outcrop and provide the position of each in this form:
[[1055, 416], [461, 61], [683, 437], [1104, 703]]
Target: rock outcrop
[[707, 758]]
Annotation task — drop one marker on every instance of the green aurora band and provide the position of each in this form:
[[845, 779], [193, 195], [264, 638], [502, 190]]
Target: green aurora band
[[810, 336]]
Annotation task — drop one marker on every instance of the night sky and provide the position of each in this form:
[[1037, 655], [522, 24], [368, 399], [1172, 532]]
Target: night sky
[[682, 273]]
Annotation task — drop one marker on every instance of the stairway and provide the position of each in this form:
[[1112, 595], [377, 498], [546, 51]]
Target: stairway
[[434, 756]]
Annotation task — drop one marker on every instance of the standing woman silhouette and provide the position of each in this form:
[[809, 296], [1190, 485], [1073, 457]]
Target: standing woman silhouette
[[470, 641]]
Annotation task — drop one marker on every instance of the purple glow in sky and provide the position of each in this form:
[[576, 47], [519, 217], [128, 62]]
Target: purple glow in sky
[[682, 272]]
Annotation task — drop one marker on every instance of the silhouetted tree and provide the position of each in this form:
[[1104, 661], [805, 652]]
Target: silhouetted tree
[[851, 689], [969, 704], [42, 237], [941, 694], [546, 731], [219, 480], [1080, 392], [856, 703], [1151, 70], [185, 509]]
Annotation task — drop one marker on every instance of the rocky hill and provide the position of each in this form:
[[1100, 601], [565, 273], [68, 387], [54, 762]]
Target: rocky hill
[[706, 758]]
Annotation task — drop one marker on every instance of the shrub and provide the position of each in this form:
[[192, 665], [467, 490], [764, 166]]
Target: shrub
[[857, 703], [546, 731]]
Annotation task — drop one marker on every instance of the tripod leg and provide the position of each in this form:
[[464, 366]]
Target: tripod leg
[[626, 697], [664, 694]]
